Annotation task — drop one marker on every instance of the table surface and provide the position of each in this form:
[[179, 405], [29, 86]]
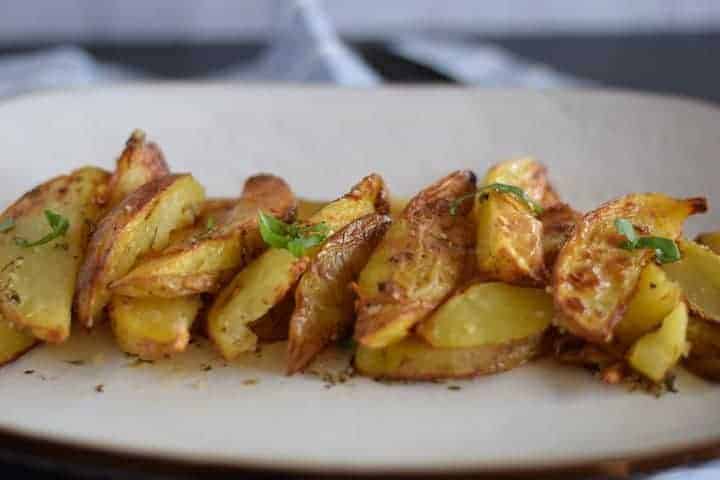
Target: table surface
[[682, 64]]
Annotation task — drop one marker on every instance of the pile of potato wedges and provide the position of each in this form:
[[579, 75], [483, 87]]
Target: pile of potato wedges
[[469, 277]]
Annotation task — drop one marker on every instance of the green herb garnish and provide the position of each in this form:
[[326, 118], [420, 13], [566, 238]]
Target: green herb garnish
[[58, 227], [294, 237], [7, 225], [516, 192], [666, 250], [211, 224]]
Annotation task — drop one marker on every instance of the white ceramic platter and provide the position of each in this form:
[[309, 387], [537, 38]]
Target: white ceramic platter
[[597, 145]]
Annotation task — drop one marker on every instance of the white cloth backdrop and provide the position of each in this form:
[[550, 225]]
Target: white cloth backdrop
[[219, 20]]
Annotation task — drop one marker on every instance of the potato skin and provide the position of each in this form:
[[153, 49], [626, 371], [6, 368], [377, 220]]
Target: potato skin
[[139, 224], [594, 277], [413, 359], [275, 324], [37, 283], [324, 309], [139, 163], [202, 261], [420, 261]]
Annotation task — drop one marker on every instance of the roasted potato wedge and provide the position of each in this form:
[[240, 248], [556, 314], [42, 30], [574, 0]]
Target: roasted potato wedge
[[654, 298], [324, 310], [413, 359], [704, 356], [140, 163], [139, 224], [698, 274], [37, 283], [153, 328], [269, 278], [656, 353], [710, 240], [594, 277], [13, 342], [509, 237], [558, 221], [488, 313], [202, 262], [420, 261]]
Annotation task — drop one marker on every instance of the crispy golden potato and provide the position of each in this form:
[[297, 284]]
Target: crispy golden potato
[[204, 261], [710, 240], [704, 356], [488, 313], [509, 236], [420, 261], [324, 310], [698, 274], [13, 342], [654, 298], [413, 359], [139, 224], [270, 277], [140, 163], [594, 277], [558, 221], [656, 353], [37, 283], [153, 328]]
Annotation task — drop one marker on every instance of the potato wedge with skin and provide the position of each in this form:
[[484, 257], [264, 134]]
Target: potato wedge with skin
[[13, 342], [413, 359], [656, 353], [37, 283], [324, 301], [152, 328], [488, 313], [704, 356], [509, 236], [710, 240], [654, 298], [698, 274], [139, 224], [140, 163], [265, 281], [558, 222], [594, 277], [420, 261], [203, 262]]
